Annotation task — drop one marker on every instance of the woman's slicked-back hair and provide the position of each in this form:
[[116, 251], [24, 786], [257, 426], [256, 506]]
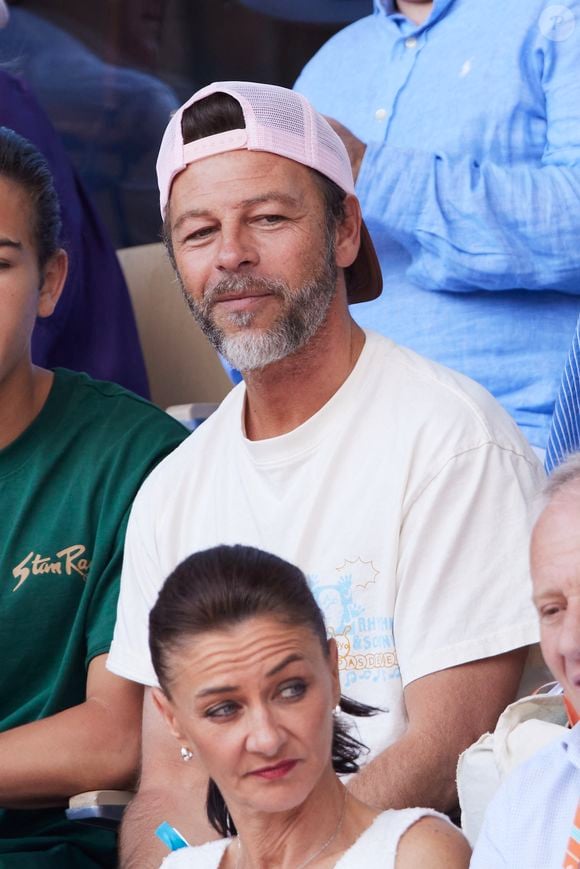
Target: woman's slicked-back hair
[[23, 164], [222, 587]]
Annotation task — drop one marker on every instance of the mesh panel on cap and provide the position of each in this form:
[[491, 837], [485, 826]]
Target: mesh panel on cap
[[278, 112], [284, 122], [335, 153]]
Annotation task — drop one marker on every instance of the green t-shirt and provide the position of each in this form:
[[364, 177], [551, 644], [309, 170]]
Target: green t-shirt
[[66, 488]]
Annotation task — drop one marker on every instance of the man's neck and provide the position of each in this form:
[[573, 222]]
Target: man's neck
[[417, 12], [22, 397], [285, 394]]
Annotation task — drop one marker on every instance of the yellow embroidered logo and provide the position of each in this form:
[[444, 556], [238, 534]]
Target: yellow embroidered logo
[[67, 562]]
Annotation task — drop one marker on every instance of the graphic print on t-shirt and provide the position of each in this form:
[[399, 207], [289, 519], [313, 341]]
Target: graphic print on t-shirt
[[366, 646], [68, 561]]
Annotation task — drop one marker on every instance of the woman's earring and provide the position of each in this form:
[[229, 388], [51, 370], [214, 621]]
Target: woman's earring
[[186, 754], [337, 710]]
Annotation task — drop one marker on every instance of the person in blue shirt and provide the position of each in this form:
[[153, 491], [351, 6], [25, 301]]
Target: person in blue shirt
[[462, 120]]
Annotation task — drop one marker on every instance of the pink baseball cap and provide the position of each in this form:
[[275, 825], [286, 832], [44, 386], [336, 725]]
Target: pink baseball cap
[[281, 122]]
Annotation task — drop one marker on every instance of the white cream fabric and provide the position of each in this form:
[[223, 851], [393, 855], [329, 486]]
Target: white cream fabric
[[376, 848], [524, 728], [405, 500]]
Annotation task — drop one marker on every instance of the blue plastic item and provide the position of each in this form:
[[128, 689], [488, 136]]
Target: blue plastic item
[[171, 837]]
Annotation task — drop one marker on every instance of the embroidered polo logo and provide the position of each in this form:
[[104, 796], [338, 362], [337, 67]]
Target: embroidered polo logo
[[67, 562]]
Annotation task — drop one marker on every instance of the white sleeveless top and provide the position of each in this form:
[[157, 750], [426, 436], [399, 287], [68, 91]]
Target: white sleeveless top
[[376, 848]]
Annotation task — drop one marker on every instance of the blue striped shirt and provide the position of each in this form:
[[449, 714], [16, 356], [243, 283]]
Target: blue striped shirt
[[565, 431]]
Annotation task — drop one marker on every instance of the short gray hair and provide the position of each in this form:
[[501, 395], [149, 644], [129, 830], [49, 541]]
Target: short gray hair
[[564, 475]]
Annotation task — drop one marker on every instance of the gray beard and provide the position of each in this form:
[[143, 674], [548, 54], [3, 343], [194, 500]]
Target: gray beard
[[303, 313]]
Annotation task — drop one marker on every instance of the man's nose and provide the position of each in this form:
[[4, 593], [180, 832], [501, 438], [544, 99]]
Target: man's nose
[[236, 250], [265, 736]]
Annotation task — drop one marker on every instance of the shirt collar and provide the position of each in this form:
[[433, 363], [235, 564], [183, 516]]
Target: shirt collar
[[388, 8]]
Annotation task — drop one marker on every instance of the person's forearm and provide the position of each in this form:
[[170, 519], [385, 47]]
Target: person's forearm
[[411, 772], [183, 809], [83, 748], [472, 226]]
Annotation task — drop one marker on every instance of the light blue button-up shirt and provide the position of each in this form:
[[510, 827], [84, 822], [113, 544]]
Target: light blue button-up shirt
[[470, 184], [530, 820]]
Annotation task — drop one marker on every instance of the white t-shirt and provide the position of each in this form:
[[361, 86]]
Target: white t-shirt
[[405, 500], [376, 848]]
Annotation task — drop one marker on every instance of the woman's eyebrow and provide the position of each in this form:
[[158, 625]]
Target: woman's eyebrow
[[225, 689], [284, 663]]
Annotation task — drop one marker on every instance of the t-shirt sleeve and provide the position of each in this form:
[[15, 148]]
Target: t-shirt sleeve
[[463, 587], [148, 437], [140, 583], [103, 604]]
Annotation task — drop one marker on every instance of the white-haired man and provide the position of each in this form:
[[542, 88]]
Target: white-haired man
[[534, 820], [400, 488]]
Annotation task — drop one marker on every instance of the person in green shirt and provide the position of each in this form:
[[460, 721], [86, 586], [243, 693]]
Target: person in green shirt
[[73, 453]]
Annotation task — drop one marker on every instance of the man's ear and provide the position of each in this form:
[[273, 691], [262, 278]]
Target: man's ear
[[163, 704], [347, 238], [53, 277]]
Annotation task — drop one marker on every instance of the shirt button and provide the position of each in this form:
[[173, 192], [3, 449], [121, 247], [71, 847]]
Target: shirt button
[[411, 42], [380, 114]]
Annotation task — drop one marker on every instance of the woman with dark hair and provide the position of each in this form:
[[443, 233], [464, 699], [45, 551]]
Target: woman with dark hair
[[250, 686]]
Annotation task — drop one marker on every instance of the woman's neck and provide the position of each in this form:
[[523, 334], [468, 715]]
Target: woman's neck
[[292, 839]]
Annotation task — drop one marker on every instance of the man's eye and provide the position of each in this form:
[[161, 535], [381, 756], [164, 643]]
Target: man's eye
[[292, 690], [271, 219], [199, 234], [550, 611], [222, 710]]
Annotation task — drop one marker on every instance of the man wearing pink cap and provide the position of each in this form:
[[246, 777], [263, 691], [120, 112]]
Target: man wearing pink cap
[[398, 486]]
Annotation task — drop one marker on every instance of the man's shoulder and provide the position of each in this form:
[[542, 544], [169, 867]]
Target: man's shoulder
[[438, 401], [530, 814], [113, 400], [111, 419], [545, 770], [337, 53], [195, 452]]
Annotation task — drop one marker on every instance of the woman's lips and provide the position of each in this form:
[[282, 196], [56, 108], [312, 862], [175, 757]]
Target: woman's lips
[[278, 771]]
